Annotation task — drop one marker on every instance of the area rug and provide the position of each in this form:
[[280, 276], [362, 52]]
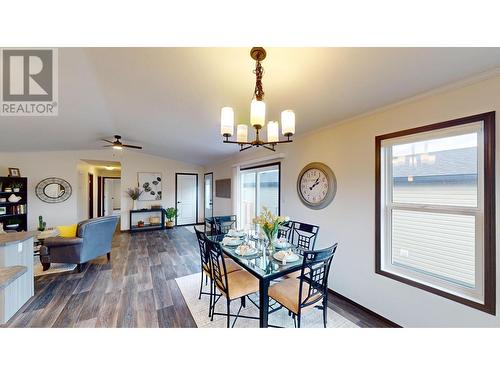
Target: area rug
[[189, 286], [54, 268]]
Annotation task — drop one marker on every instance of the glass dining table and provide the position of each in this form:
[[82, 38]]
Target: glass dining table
[[263, 266]]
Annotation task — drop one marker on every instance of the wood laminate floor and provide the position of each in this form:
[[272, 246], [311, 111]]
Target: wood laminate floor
[[136, 289]]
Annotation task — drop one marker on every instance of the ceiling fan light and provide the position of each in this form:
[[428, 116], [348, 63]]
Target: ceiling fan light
[[117, 147], [273, 131], [242, 133], [288, 123], [227, 121], [257, 112]]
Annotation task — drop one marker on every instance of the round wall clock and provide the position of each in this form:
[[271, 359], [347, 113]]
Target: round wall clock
[[316, 185]]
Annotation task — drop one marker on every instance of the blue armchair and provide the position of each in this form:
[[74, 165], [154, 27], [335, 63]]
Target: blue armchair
[[93, 239]]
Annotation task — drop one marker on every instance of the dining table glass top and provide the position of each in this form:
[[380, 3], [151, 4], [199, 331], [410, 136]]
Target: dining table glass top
[[262, 264]]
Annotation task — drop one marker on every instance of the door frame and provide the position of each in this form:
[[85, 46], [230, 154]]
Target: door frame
[[100, 193], [90, 184], [188, 174], [211, 191], [101, 197]]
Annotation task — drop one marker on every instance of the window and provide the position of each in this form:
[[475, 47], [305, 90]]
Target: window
[[435, 209], [260, 187]]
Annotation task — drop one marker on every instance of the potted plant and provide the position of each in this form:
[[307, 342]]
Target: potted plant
[[140, 223], [16, 186], [134, 194], [42, 225], [170, 214]]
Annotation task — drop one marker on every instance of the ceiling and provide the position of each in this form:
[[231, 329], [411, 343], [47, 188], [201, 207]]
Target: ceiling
[[168, 99]]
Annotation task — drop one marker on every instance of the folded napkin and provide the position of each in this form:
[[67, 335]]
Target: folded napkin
[[283, 255], [244, 249]]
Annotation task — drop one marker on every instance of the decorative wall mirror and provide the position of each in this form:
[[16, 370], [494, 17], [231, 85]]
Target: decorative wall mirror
[[53, 190]]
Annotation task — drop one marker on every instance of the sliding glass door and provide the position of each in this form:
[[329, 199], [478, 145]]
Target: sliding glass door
[[260, 187]]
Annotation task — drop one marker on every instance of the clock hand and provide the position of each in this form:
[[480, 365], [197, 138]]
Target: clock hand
[[316, 183]]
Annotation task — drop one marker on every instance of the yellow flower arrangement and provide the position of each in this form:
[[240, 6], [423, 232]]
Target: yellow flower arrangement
[[270, 223]]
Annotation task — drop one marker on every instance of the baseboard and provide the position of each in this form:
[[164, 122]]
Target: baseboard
[[183, 225], [188, 225], [387, 321]]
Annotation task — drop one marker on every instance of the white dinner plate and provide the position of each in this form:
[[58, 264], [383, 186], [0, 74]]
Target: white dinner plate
[[236, 233], [233, 242], [250, 252], [282, 245], [289, 258]]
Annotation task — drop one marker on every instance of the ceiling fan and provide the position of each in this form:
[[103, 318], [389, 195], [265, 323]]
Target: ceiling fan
[[118, 145]]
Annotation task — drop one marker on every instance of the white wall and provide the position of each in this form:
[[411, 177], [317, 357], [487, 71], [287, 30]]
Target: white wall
[[82, 190], [349, 150], [67, 165]]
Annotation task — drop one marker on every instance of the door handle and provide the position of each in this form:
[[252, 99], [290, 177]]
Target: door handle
[[178, 201]]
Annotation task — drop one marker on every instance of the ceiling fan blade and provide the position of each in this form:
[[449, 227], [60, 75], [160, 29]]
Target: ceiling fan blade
[[105, 140], [130, 146], [108, 146]]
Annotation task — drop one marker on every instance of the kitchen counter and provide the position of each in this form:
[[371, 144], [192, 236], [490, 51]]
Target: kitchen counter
[[16, 276], [15, 237], [9, 274]]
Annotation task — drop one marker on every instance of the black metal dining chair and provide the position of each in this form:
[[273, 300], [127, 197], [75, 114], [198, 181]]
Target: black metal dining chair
[[224, 223], [310, 289], [206, 270], [303, 235], [209, 227], [285, 230], [232, 285]]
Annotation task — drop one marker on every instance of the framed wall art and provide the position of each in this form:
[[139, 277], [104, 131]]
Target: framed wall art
[[151, 184]]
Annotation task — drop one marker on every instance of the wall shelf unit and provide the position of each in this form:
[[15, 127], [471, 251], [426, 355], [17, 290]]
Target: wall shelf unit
[[14, 215]]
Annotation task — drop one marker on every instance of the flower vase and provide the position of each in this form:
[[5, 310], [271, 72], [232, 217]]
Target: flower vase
[[134, 206], [271, 238]]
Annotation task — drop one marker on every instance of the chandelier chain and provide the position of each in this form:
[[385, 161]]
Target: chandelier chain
[[259, 72]]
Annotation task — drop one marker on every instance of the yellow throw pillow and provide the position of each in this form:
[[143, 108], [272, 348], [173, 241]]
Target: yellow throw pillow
[[67, 230]]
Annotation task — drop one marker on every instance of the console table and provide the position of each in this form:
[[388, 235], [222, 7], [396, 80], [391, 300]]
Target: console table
[[144, 215]]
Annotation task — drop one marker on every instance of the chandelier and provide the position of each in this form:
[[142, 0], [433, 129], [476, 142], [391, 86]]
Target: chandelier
[[257, 116]]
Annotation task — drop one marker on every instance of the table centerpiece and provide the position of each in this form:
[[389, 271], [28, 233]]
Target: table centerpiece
[[270, 224]]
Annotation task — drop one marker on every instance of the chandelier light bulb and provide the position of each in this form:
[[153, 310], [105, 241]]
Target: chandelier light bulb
[[273, 131], [288, 123], [242, 133], [257, 113], [227, 121]]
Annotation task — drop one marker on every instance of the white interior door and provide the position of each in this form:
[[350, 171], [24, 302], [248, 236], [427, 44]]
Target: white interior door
[[186, 199], [112, 196], [209, 195], [116, 195], [108, 197]]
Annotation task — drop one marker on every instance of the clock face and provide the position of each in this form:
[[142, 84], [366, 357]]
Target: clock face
[[314, 186]]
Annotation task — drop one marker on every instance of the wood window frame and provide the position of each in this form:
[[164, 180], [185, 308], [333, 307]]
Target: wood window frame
[[488, 119]]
